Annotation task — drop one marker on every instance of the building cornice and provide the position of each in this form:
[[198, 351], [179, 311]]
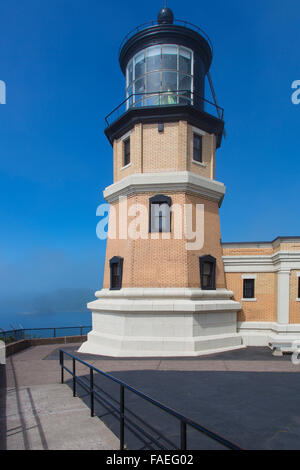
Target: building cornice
[[166, 182], [280, 261], [262, 244]]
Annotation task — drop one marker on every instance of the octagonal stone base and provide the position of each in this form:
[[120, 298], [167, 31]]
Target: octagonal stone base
[[162, 323]]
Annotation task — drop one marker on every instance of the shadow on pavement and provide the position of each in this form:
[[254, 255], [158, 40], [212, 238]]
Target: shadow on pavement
[[20, 397], [253, 410]]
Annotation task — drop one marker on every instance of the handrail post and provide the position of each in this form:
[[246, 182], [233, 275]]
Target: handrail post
[[92, 392], [54, 332], [74, 378], [182, 435], [122, 417], [61, 361]]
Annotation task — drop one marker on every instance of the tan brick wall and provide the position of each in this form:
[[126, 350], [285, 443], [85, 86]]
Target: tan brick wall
[[171, 150], [261, 248], [212, 245], [265, 308], [161, 149], [294, 305], [246, 251], [287, 246], [166, 263], [135, 155]]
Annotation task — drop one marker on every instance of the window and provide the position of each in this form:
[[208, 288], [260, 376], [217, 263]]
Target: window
[[299, 287], [160, 214], [126, 151], [197, 149], [116, 270], [160, 75], [208, 272], [249, 289]]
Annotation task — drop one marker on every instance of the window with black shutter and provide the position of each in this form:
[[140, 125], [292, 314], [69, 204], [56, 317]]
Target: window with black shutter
[[116, 268], [160, 214], [298, 287], [197, 151], [249, 289], [208, 272], [126, 148]]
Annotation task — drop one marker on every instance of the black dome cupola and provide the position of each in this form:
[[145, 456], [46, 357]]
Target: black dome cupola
[[165, 16]]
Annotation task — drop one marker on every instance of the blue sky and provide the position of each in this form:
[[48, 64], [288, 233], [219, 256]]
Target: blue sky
[[59, 60]]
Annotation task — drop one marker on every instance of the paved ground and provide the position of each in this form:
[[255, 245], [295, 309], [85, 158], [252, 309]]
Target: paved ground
[[247, 396], [37, 412]]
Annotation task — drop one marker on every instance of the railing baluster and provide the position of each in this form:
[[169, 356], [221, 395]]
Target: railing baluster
[[61, 361], [182, 435], [92, 393], [74, 378], [122, 407]]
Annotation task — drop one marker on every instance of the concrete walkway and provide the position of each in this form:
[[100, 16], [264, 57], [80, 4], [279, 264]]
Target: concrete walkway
[[248, 396], [37, 412]]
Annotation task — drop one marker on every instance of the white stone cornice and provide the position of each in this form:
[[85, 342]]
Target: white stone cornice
[[167, 293], [181, 181], [248, 264], [280, 261]]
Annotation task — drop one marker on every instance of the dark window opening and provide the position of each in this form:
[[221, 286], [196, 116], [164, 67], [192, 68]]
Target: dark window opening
[[197, 152], [298, 287], [249, 289], [116, 268], [160, 214], [126, 145], [208, 272]]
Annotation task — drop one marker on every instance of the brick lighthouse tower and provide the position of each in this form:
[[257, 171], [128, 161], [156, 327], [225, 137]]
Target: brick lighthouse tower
[[164, 291]]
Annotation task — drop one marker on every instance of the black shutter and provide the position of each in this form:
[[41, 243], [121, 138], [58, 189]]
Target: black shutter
[[207, 272], [197, 150], [116, 272]]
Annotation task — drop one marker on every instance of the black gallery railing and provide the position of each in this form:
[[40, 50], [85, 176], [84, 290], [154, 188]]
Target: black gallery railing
[[164, 98], [185, 24], [34, 333], [118, 407]]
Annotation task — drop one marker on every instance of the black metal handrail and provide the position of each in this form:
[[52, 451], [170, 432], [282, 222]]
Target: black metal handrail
[[28, 333], [186, 24], [120, 410], [187, 95]]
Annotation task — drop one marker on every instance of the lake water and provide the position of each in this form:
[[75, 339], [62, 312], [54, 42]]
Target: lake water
[[46, 321]]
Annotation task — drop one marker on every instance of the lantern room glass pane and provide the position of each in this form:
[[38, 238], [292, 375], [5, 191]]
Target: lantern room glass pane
[[130, 72], [185, 61], [169, 81], [169, 57], [140, 85], [139, 68], [153, 82], [153, 55], [185, 82]]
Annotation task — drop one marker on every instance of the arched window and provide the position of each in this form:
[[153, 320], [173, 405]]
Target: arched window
[[208, 272], [160, 214], [116, 271]]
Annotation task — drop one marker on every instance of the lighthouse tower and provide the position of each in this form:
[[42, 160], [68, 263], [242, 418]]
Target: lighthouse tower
[[164, 291]]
